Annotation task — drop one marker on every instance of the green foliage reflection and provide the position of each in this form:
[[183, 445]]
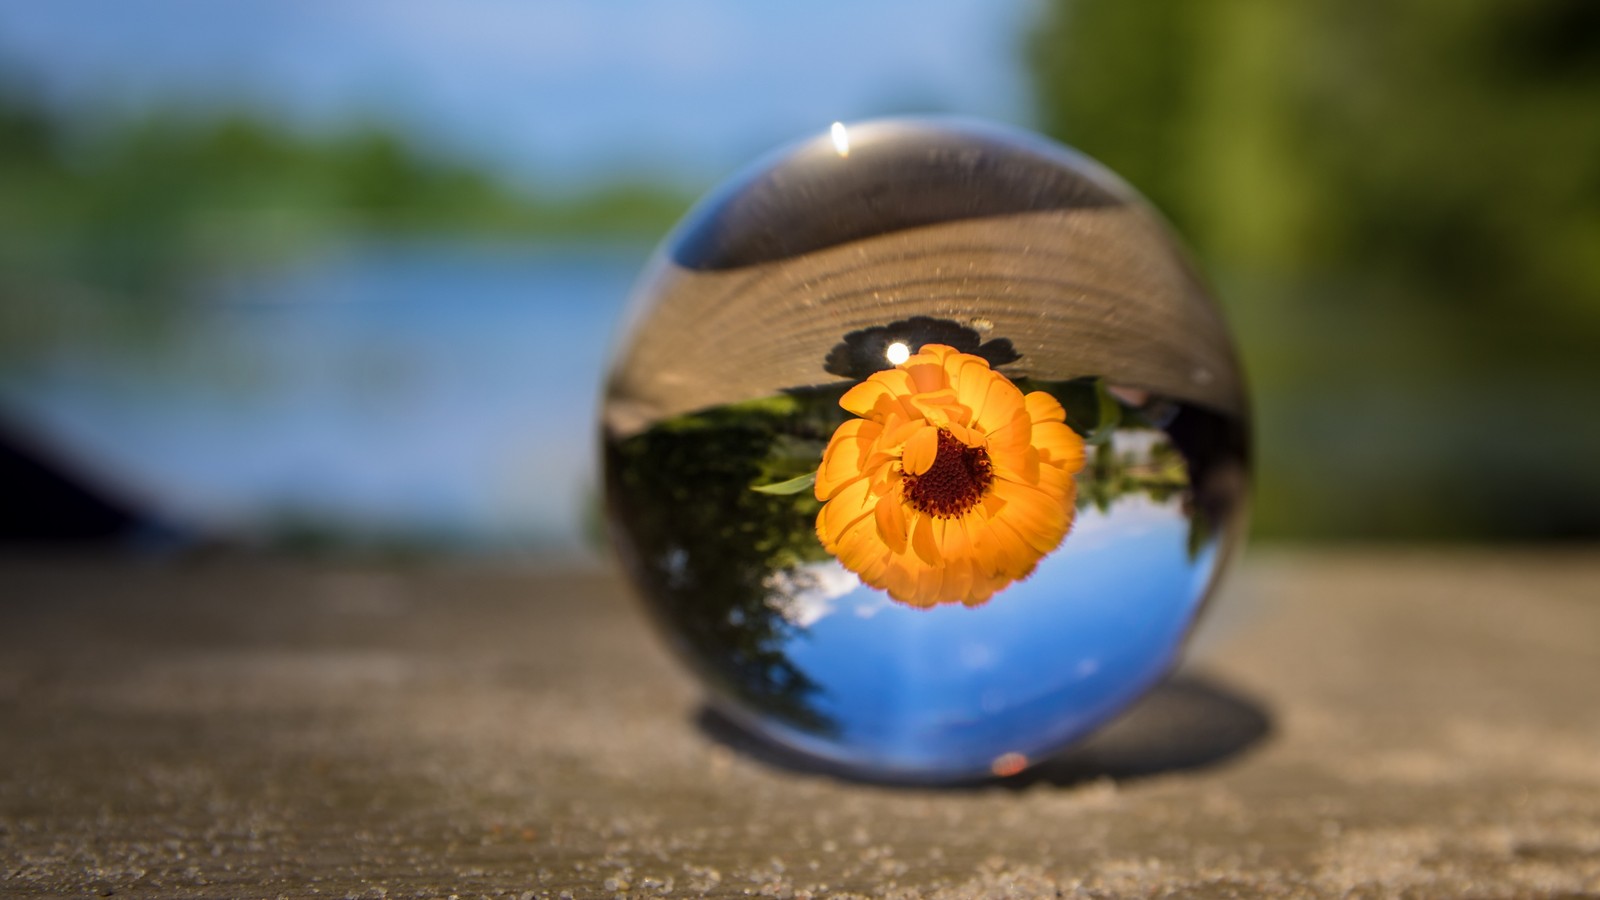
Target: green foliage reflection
[[718, 557]]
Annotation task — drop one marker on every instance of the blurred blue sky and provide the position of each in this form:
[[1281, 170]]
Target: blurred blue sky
[[956, 687], [561, 92]]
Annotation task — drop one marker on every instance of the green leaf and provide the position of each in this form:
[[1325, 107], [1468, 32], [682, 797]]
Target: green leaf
[[1091, 410], [792, 486], [1080, 399], [1110, 415]]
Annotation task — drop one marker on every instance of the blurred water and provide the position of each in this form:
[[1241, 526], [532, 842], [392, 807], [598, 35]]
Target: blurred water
[[415, 390]]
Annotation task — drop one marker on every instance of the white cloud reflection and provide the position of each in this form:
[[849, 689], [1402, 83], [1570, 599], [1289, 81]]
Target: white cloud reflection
[[814, 591]]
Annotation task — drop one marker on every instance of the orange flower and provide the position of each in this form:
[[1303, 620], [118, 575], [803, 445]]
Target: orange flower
[[951, 485]]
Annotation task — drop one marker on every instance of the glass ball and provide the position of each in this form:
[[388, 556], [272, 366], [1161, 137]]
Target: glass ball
[[924, 443]]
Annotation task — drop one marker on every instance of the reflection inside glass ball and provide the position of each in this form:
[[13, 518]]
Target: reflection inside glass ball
[[924, 447]]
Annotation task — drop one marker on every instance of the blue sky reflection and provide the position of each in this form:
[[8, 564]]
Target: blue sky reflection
[[1098, 621]]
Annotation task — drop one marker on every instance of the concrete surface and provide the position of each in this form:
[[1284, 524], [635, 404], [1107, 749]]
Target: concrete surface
[[1355, 723]]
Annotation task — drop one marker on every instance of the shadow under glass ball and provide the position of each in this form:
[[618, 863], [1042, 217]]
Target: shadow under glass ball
[[953, 631]]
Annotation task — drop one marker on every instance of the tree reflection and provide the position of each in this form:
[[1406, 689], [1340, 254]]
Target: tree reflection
[[712, 552], [1157, 471]]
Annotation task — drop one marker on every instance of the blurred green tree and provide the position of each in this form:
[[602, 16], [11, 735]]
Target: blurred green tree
[[1400, 204], [106, 224]]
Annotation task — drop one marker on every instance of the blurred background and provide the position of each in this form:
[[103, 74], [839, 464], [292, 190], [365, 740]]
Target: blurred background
[[341, 278]]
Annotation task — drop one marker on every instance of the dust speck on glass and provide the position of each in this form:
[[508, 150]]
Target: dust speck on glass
[[924, 444]]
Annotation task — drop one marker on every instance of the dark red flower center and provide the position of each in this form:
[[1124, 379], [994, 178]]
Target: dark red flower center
[[957, 480]]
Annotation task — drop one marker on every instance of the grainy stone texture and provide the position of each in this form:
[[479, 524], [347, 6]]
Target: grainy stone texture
[[1355, 723]]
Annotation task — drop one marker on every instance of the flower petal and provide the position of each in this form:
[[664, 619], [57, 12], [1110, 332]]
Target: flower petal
[[926, 373], [1004, 553], [878, 395], [951, 535], [875, 569], [886, 480], [890, 518], [920, 451], [898, 431], [1001, 403], [966, 435], [1058, 445], [1014, 433], [1058, 484], [940, 407], [846, 457], [939, 353], [850, 505], [971, 384], [930, 585], [923, 541], [900, 578], [983, 587], [955, 361], [1038, 519], [1044, 408], [1015, 463], [1025, 569], [958, 579], [859, 549]]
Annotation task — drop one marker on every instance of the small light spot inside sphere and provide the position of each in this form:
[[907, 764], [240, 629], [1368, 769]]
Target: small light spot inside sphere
[[897, 353], [1007, 764], [841, 139]]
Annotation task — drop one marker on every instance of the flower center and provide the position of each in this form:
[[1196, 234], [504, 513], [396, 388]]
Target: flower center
[[956, 481]]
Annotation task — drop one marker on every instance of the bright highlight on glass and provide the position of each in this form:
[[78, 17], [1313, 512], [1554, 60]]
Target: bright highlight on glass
[[841, 139], [908, 453]]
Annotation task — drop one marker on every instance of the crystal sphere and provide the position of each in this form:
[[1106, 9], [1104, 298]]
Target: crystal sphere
[[924, 444]]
